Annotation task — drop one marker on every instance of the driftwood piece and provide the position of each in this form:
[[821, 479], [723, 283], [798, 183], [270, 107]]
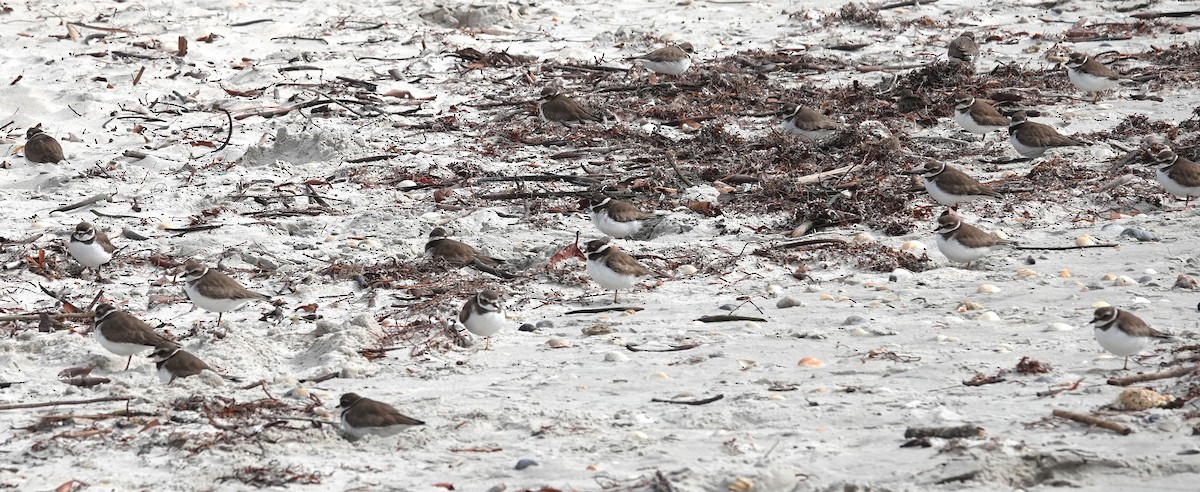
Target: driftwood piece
[[1139, 378], [633, 347], [14, 406], [604, 310], [906, 3], [956, 432], [38, 316], [721, 318], [704, 401], [1063, 248], [1093, 421], [1155, 15], [100, 197]]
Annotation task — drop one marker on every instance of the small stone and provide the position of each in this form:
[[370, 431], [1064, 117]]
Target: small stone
[[863, 238], [728, 307], [987, 289], [969, 306], [660, 376], [638, 436], [558, 343], [1150, 271], [1029, 260], [1065, 273], [826, 297], [598, 329], [686, 270], [788, 302], [1026, 273], [854, 320], [1124, 281], [527, 327], [525, 463], [1108, 277], [773, 290], [1145, 279], [545, 324], [913, 246], [615, 357]]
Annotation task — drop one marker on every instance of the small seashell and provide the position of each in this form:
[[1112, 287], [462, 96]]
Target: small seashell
[[987, 289], [747, 364], [370, 244], [1003, 348], [352, 243], [1085, 240], [773, 290], [1059, 327], [638, 436], [615, 357], [988, 316], [1108, 277], [811, 362], [788, 302], [863, 238], [162, 226], [826, 296], [686, 270], [330, 238], [1141, 300], [741, 484], [1026, 273], [407, 183], [1150, 271], [752, 326], [598, 329], [912, 246], [1100, 304], [660, 375], [1124, 281], [969, 306], [558, 343], [1141, 399], [1065, 273]]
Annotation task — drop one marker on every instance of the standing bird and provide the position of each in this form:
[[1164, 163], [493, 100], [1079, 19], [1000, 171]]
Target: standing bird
[[214, 291], [457, 253], [557, 107], [976, 116], [42, 148], [962, 242], [90, 247], [671, 60], [124, 334], [1179, 176], [362, 416], [963, 49], [810, 124], [483, 315], [612, 268], [1032, 139], [1122, 333], [1089, 75], [616, 218], [950, 187], [174, 363]]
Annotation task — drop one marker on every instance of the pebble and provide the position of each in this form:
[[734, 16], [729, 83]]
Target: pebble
[[686, 270], [1085, 240], [826, 297], [969, 306], [788, 302], [407, 183], [1150, 271], [1059, 327], [558, 343], [1026, 273], [987, 289], [1030, 261], [1145, 279], [988, 316], [863, 238], [638, 436], [728, 307], [946, 338], [527, 327], [525, 463], [747, 364], [1112, 229], [898, 274], [854, 320], [1124, 281], [1065, 273], [545, 324], [1141, 234]]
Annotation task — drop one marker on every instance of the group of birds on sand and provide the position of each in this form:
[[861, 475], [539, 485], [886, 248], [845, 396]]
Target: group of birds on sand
[[483, 314]]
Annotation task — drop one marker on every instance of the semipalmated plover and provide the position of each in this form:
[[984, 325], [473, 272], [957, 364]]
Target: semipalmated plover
[[1032, 139], [41, 147], [90, 247], [124, 334], [1179, 176], [962, 242], [612, 268], [362, 416], [1089, 75], [671, 60], [557, 107], [810, 124], [950, 187], [441, 247], [214, 291], [175, 363], [976, 116], [963, 48], [483, 315], [616, 218], [1122, 333]]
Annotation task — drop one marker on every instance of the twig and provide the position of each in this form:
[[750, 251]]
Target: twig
[[604, 310], [720, 318], [229, 135], [250, 23], [15, 406], [675, 166], [810, 242], [1155, 15], [689, 402], [578, 180], [688, 346], [817, 177], [533, 194], [322, 378], [906, 3], [37, 316], [77, 205], [1093, 421], [185, 230], [1139, 378], [1061, 248]]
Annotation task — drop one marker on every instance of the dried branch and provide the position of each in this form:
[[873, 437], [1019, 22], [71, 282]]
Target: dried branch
[[1093, 421], [77, 205], [14, 406], [704, 401], [1139, 378]]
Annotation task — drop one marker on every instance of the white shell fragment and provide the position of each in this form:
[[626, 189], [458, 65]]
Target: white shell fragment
[[987, 289]]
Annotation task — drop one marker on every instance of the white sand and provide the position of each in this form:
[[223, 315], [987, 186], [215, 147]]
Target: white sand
[[584, 412]]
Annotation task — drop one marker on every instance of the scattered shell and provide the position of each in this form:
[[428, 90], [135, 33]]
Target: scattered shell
[[1065, 273], [598, 329], [558, 343], [1112, 229], [660, 375], [1100, 304], [1059, 327], [1141, 234], [1142, 399], [1123, 281], [969, 306], [788, 302], [1085, 240], [1003, 348], [1026, 273], [165, 225], [826, 297], [987, 289], [638, 436], [1186, 282], [1108, 277], [407, 183], [1150, 271], [747, 363], [988, 316], [752, 326], [615, 357], [741, 484], [863, 238], [946, 338], [811, 362], [913, 246], [686, 270], [899, 273], [525, 463], [774, 290]]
